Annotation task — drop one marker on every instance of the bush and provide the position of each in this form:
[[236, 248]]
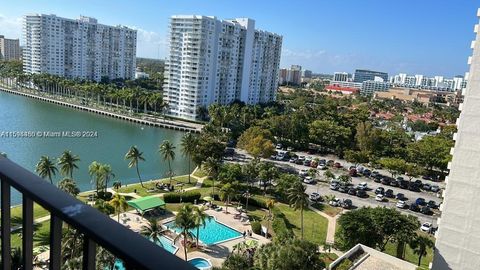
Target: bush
[[256, 227], [106, 196], [279, 226], [186, 197], [344, 265], [252, 201]]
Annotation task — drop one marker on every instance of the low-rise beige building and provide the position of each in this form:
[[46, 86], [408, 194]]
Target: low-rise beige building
[[423, 96]]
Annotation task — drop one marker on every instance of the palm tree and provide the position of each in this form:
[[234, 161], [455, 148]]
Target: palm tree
[[298, 199], [227, 191], [69, 186], [200, 219], [105, 173], [212, 167], [67, 162], [420, 244], [46, 168], [185, 221], [117, 185], [189, 144], [134, 155], [93, 170], [119, 203], [168, 153], [152, 231], [270, 206]]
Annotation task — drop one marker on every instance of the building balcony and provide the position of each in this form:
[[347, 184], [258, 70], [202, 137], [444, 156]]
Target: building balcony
[[96, 228]]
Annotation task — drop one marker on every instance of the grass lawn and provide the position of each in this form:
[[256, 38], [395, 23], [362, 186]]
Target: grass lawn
[[391, 249], [151, 184], [199, 172], [40, 237], [328, 209], [16, 212]]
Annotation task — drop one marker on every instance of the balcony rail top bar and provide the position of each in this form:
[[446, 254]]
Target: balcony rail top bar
[[133, 249]]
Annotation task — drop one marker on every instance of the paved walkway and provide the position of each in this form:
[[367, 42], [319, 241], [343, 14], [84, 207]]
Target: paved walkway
[[332, 224]]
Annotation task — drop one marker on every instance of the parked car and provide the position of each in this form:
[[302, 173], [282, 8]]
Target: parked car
[[426, 227], [362, 194], [414, 207], [374, 174], [337, 165], [426, 210], [435, 188], [401, 204], [386, 180], [343, 189], [427, 187], [335, 202], [414, 187], [334, 186], [377, 178], [321, 166], [301, 158], [315, 197], [420, 201], [432, 204], [330, 162], [394, 183], [379, 198], [389, 193], [352, 172], [307, 162], [401, 197], [308, 180], [278, 146], [303, 172], [367, 172], [314, 164], [362, 186], [289, 149], [380, 190], [400, 178], [419, 183], [404, 184], [352, 191], [360, 169], [293, 159], [347, 203]]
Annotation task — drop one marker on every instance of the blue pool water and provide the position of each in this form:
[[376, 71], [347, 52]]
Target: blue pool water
[[200, 263], [213, 232]]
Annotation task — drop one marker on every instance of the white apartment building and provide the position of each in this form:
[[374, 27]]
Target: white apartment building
[[424, 82], [340, 76], [9, 49], [458, 238], [372, 86], [219, 61], [78, 48]]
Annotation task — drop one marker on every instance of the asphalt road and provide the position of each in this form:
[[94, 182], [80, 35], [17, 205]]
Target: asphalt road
[[323, 188]]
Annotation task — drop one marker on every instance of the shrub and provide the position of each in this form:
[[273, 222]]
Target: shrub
[[344, 265], [106, 196], [256, 227], [187, 197], [252, 201], [279, 226]]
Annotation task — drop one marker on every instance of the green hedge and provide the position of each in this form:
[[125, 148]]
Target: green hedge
[[279, 225], [186, 197], [254, 202], [256, 227]]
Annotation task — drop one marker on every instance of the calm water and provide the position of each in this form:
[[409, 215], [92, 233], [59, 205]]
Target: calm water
[[115, 137]]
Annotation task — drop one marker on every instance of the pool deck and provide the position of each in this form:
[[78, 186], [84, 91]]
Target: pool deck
[[217, 253]]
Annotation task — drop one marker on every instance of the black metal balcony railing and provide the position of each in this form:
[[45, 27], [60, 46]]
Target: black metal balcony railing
[[134, 250]]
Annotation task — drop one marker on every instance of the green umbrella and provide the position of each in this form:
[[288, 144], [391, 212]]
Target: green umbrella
[[208, 198], [250, 243]]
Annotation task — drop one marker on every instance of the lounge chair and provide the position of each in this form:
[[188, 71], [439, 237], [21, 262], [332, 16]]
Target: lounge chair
[[218, 209]]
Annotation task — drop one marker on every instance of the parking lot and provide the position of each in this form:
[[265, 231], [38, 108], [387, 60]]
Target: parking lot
[[322, 187]]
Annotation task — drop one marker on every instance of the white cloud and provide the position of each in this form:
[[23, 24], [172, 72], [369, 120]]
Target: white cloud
[[11, 27], [150, 44]]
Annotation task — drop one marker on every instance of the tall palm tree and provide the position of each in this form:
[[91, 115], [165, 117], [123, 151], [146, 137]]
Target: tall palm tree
[[227, 191], [212, 167], [185, 221], [119, 203], [105, 174], [189, 144], [270, 206], [69, 186], [134, 155], [167, 150], [420, 244], [200, 219], [298, 199], [153, 231], [93, 171], [117, 185], [67, 162], [46, 168]]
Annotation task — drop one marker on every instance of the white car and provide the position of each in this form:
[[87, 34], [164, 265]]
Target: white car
[[379, 198], [308, 180], [279, 146], [426, 227], [362, 186], [322, 166], [303, 172], [401, 204], [314, 197], [335, 202]]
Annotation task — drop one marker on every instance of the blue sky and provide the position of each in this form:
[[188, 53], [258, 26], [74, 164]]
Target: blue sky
[[414, 36]]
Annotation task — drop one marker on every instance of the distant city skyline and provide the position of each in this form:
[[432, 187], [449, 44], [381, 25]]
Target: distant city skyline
[[322, 36]]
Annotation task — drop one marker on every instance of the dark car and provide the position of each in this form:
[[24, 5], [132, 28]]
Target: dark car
[[307, 162], [322, 161], [343, 189], [404, 184], [377, 178], [362, 193], [352, 191], [400, 178], [401, 197], [394, 183], [420, 201], [435, 188], [432, 204], [419, 183], [367, 172], [347, 203], [299, 162], [389, 193], [414, 207], [386, 180], [374, 174], [427, 177], [414, 187], [380, 190], [352, 172], [330, 162], [426, 210], [427, 187], [337, 165]]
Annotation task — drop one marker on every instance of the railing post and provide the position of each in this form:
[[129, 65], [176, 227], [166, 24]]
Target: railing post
[[89, 253], [27, 233], [5, 205], [55, 242]]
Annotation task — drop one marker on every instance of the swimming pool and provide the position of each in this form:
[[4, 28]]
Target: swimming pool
[[201, 263], [213, 232]]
